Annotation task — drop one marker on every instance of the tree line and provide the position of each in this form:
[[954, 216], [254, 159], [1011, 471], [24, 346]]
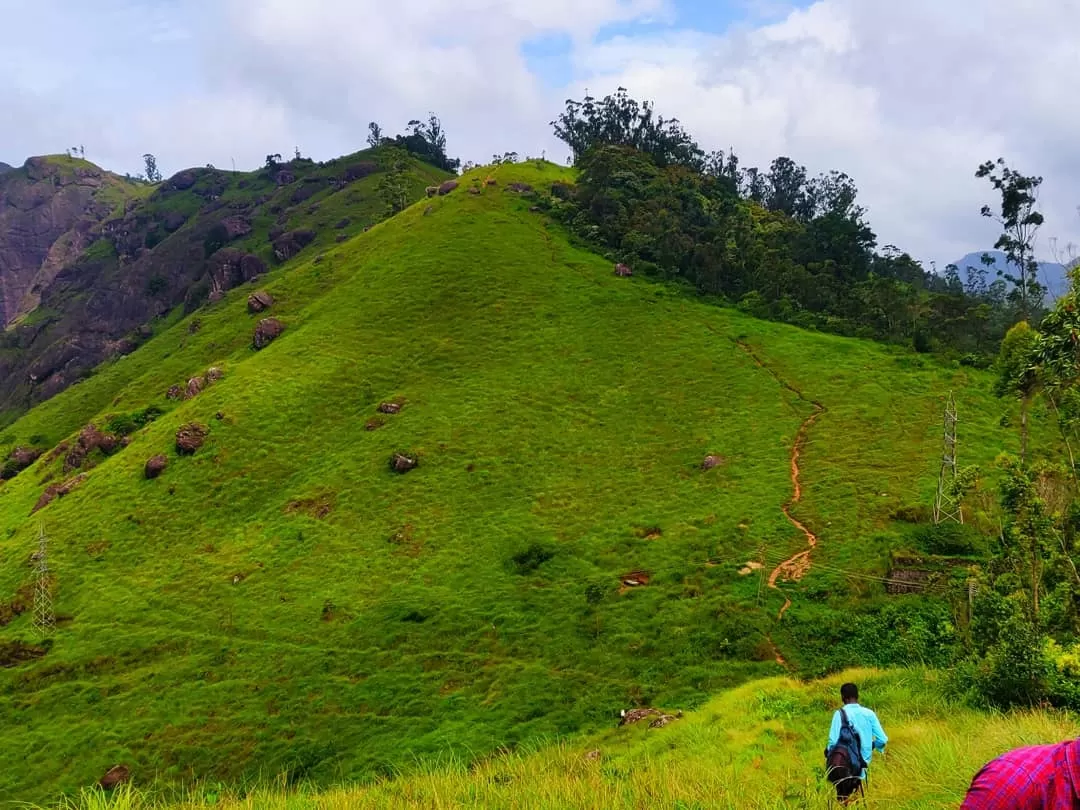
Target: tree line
[[782, 244]]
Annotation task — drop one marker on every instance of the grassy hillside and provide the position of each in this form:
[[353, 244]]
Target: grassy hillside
[[167, 249], [757, 747], [282, 602]]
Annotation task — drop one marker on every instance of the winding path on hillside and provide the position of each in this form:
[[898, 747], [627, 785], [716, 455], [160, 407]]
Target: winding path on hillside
[[797, 566]]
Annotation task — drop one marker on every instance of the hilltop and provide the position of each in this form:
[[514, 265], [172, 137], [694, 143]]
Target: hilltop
[[51, 210], [283, 600]]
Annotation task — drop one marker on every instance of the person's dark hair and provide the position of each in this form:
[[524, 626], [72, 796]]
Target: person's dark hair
[[848, 692]]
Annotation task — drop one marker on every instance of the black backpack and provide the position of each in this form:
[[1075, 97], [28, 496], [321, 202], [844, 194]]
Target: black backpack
[[844, 762]]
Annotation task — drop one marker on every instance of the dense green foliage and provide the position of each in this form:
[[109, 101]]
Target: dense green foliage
[[781, 244], [282, 601], [619, 119], [1024, 648]]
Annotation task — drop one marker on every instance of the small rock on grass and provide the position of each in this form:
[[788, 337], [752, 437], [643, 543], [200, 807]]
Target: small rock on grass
[[266, 332], [155, 466], [259, 301], [402, 463], [190, 437], [114, 777]]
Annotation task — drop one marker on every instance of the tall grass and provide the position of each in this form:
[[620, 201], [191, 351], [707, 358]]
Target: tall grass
[[757, 747]]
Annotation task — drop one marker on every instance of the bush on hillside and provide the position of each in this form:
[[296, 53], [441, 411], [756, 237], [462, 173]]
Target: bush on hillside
[[124, 424], [913, 513], [972, 360], [531, 558], [915, 631], [216, 239], [1017, 671], [754, 303], [950, 540]]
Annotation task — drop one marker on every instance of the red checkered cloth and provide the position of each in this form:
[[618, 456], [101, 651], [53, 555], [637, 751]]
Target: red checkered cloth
[[1038, 777]]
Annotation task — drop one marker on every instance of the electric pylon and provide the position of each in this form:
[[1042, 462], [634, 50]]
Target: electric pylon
[[947, 504], [44, 617]]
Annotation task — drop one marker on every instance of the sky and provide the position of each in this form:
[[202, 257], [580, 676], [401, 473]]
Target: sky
[[906, 97]]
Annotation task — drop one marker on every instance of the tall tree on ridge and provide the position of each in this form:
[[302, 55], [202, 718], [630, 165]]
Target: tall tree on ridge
[[1020, 223]]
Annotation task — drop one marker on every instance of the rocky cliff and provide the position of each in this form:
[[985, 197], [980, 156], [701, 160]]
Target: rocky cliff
[[49, 210]]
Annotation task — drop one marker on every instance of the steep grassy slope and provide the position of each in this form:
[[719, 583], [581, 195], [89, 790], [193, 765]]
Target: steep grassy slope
[[182, 242], [281, 601], [757, 747]]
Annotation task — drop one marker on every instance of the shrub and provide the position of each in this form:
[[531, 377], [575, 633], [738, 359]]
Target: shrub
[[216, 239], [754, 303], [913, 513], [561, 190], [1017, 671], [156, 285], [1065, 683], [950, 539], [124, 424], [153, 238], [531, 558], [973, 360]]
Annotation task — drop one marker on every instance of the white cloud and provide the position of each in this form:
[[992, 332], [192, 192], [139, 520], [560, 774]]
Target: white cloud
[[906, 97]]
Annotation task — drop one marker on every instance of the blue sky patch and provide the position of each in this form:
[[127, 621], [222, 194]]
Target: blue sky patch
[[550, 56]]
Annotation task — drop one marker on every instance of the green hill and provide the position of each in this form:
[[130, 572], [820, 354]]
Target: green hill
[[113, 258], [282, 601], [757, 747]]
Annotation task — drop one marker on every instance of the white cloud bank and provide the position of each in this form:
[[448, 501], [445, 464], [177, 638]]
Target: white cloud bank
[[908, 98]]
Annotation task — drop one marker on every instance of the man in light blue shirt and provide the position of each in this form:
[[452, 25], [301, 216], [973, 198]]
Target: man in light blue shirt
[[865, 722]]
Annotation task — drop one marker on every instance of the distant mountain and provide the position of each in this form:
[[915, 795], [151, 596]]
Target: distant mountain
[[1051, 274]]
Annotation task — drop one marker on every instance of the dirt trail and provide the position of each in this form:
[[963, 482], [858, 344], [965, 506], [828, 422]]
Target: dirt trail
[[796, 567]]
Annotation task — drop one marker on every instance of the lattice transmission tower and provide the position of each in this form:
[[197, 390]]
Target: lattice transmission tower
[[947, 503], [44, 616]]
